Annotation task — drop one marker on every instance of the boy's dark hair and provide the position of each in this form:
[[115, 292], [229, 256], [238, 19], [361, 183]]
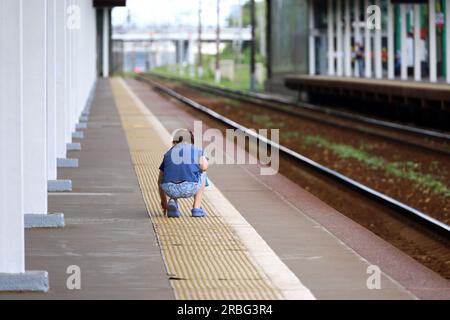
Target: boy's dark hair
[[183, 135]]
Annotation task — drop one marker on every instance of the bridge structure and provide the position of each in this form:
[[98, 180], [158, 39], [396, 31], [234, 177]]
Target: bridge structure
[[165, 46], [208, 34]]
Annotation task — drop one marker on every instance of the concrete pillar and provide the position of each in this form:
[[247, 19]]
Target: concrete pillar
[[75, 30], [417, 46], [82, 77], [61, 78], [339, 69], [87, 49], [86, 30], [51, 90], [367, 47], [331, 52], [390, 41], [12, 255], [61, 94], [35, 198], [73, 25], [68, 75], [347, 41], [80, 61], [93, 47], [432, 38], [447, 35], [312, 39], [105, 42], [91, 44], [403, 47], [34, 107], [13, 276]]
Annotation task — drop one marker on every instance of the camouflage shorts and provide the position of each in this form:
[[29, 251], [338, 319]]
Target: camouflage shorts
[[184, 189]]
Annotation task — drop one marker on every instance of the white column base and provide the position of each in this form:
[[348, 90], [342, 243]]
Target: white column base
[[77, 135], [50, 220], [59, 185], [27, 281], [67, 163], [74, 146]]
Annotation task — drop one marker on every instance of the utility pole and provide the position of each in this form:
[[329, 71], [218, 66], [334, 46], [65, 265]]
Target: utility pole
[[253, 48], [217, 74], [262, 29], [199, 41], [240, 23]]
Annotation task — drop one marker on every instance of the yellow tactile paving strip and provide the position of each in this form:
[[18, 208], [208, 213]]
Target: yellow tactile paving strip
[[204, 258]]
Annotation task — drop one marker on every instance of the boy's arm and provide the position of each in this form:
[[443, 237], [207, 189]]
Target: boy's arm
[[203, 163], [162, 194]]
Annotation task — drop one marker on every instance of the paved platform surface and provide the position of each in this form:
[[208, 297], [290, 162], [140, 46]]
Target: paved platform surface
[[204, 258], [110, 232]]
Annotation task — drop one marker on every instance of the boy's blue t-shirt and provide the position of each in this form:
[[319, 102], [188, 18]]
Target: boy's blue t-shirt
[[180, 164]]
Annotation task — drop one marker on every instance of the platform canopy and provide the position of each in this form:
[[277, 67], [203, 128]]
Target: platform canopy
[[109, 3], [409, 1]]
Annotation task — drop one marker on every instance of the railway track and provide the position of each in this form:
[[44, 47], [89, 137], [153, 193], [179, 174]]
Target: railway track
[[423, 138]]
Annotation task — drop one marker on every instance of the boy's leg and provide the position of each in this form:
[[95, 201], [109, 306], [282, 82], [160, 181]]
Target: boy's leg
[[199, 196], [162, 195]]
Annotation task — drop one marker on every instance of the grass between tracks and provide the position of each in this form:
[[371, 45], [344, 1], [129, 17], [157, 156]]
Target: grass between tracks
[[407, 170]]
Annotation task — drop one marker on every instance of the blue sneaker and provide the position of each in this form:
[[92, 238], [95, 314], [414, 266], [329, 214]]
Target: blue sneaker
[[172, 209], [198, 212]]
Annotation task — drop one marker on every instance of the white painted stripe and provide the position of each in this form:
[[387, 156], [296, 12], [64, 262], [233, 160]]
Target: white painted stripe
[[275, 269]]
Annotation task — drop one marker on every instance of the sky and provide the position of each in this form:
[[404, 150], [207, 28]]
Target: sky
[[174, 12]]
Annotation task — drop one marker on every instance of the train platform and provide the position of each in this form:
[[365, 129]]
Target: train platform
[[425, 92], [422, 103], [264, 236]]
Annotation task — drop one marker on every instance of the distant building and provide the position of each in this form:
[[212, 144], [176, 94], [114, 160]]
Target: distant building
[[332, 38]]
